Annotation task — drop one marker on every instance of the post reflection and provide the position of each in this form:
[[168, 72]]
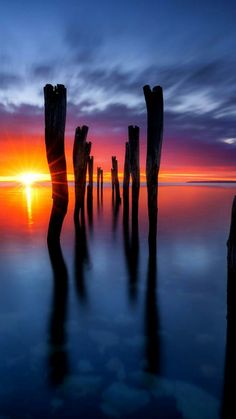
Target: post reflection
[[90, 206], [228, 409], [115, 213], [81, 258], [57, 357], [131, 250], [152, 325]]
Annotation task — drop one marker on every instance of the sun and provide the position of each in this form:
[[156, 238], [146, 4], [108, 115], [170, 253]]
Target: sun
[[28, 178]]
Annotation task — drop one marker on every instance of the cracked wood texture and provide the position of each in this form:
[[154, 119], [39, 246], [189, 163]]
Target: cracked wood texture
[[55, 119]]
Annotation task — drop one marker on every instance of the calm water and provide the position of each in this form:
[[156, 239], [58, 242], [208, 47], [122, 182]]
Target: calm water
[[120, 337]]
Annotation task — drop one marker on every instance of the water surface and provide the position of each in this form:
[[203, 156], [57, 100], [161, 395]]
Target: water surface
[[121, 334]]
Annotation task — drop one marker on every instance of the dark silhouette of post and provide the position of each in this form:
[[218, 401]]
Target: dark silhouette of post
[[126, 182], [115, 179], [131, 169], [99, 185], [154, 104], [81, 258], [57, 356], [113, 184], [90, 174], [98, 178], [152, 324], [55, 119], [81, 152], [231, 243], [228, 409], [131, 251], [90, 191], [134, 168]]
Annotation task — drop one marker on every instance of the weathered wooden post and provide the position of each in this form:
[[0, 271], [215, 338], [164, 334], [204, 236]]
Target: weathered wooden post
[[134, 169], [90, 173], [126, 182], [55, 119], [115, 179], [228, 409], [101, 173], [154, 104], [81, 152], [99, 186], [113, 184], [90, 191], [98, 178]]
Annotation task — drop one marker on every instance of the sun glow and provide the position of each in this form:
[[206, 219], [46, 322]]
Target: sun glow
[[28, 178]]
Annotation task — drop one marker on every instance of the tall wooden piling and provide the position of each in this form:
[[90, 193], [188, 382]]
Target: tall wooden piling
[[126, 182], [90, 191], [81, 152], [134, 168], [115, 179], [98, 178], [90, 173], [99, 185], [55, 119], [154, 104]]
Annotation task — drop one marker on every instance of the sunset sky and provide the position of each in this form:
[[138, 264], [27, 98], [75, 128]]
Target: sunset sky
[[104, 52]]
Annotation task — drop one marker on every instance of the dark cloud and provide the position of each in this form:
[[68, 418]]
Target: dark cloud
[[43, 71], [9, 80], [24, 119]]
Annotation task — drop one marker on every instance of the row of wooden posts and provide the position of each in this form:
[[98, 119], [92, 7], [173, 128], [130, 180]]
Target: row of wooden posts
[[55, 117]]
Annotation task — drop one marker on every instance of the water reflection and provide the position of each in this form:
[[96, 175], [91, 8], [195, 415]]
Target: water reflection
[[28, 193], [90, 206], [191, 318], [131, 250], [228, 403], [115, 213], [152, 325], [99, 197], [57, 357], [81, 258]]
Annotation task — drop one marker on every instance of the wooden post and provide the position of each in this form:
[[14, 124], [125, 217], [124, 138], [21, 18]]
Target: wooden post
[[90, 172], [90, 191], [81, 152], [112, 185], [134, 169], [154, 104], [115, 179], [55, 119], [126, 182]]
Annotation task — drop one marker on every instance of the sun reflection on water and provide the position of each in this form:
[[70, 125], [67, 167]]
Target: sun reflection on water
[[28, 194]]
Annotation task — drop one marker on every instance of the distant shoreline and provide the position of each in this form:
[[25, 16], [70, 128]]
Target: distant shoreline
[[211, 181]]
